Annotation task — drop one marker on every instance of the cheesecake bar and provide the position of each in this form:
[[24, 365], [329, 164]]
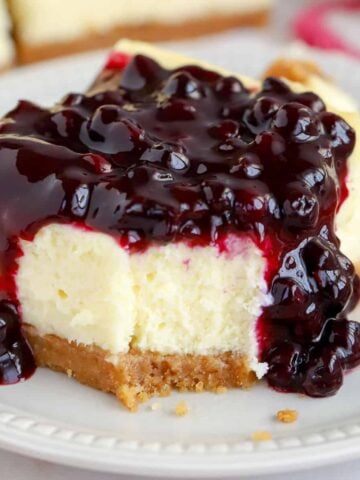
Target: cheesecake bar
[[46, 29], [174, 227]]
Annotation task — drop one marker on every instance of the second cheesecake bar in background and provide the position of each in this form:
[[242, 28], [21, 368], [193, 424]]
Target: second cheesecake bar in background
[[45, 29]]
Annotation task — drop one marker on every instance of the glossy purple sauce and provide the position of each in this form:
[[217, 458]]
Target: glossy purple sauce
[[150, 155]]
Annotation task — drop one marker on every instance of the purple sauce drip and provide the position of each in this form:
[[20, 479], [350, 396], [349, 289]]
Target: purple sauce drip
[[16, 359]]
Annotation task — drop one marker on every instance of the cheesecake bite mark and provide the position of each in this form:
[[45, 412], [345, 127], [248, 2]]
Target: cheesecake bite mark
[[198, 157]]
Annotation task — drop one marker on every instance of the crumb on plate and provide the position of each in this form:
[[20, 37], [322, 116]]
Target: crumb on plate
[[287, 416], [261, 436], [181, 409]]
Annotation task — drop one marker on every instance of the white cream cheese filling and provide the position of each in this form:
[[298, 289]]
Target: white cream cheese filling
[[173, 298]]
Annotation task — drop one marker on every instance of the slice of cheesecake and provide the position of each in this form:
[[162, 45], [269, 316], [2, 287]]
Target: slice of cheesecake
[[174, 227], [46, 29], [7, 56]]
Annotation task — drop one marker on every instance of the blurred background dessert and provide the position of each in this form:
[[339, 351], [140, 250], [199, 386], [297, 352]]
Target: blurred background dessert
[[33, 30], [48, 28]]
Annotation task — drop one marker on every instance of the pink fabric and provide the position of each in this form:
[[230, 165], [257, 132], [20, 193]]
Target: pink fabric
[[311, 26]]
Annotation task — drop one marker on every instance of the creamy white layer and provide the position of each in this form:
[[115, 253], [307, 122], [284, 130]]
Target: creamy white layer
[[6, 45], [83, 286], [65, 20]]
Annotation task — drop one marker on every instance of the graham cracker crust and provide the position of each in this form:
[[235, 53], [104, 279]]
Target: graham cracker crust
[[148, 32], [140, 375]]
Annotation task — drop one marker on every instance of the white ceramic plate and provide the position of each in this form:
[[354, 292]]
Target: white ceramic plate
[[53, 418]]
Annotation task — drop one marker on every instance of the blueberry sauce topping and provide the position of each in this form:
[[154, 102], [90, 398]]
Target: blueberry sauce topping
[[16, 359], [150, 155]]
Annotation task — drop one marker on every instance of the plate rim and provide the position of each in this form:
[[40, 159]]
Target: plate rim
[[39, 438]]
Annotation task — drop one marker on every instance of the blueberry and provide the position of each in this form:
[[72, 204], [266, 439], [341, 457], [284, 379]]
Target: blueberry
[[73, 99], [343, 336], [290, 299], [341, 135], [190, 229], [324, 373], [254, 203], [16, 361], [300, 207], [247, 165], [182, 85], [229, 87], [285, 366], [273, 85], [109, 133], [139, 73], [67, 123], [314, 177], [297, 122], [176, 111], [330, 270], [220, 198], [310, 100], [223, 130], [268, 145], [258, 117]]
